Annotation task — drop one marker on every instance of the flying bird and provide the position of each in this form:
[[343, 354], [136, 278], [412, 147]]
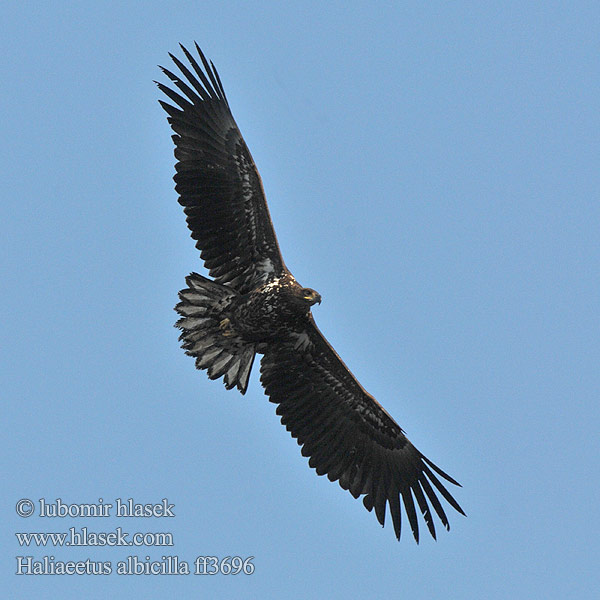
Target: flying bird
[[254, 305]]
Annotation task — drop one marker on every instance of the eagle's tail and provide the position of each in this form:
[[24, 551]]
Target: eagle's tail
[[206, 336]]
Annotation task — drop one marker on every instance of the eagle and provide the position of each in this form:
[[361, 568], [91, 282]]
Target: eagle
[[252, 304]]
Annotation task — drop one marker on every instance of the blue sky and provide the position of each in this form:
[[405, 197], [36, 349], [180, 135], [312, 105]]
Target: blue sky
[[431, 170]]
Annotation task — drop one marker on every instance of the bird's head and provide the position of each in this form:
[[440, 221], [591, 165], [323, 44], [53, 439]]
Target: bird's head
[[310, 296]]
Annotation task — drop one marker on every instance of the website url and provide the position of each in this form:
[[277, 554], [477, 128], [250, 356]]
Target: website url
[[84, 537]]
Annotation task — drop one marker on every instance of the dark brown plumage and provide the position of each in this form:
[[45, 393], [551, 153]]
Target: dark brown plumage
[[254, 305]]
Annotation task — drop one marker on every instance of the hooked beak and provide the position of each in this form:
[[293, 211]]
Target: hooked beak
[[313, 298]]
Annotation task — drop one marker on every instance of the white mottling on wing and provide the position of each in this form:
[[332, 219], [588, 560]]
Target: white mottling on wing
[[266, 266], [302, 341], [272, 284]]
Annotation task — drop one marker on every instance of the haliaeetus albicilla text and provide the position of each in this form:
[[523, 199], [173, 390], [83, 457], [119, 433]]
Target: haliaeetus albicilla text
[[253, 304]]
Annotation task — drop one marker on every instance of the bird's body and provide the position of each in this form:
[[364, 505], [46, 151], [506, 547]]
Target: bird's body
[[254, 305], [272, 310]]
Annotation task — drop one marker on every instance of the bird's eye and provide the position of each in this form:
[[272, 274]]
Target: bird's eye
[[307, 293]]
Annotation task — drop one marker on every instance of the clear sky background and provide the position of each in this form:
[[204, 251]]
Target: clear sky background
[[432, 169]]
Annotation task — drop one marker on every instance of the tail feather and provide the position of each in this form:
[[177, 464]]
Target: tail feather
[[202, 311]]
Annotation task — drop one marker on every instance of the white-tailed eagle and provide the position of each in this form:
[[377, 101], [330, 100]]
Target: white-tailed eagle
[[253, 304]]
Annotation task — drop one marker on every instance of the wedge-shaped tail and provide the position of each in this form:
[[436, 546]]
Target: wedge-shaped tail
[[206, 336]]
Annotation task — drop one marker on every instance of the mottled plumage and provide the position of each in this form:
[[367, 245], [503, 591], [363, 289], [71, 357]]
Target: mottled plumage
[[254, 305]]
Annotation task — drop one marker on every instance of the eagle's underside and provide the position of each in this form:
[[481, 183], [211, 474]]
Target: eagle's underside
[[253, 304]]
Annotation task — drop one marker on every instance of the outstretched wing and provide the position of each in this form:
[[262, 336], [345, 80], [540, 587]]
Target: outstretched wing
[[348, 435], [217, 181]]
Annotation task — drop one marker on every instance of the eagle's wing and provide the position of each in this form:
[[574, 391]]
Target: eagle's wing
[[217, 181], [347, 434]]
